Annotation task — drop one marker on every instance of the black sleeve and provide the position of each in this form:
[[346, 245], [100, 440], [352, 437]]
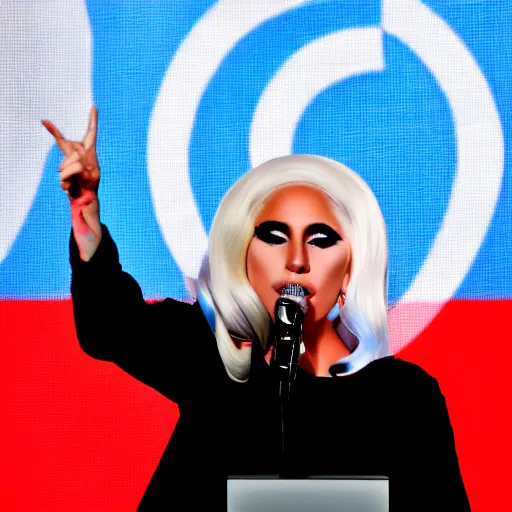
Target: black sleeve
[[434, 477], [114, 323], [441, 448]]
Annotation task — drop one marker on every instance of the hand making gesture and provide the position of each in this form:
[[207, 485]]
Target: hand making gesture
[[80, 179]]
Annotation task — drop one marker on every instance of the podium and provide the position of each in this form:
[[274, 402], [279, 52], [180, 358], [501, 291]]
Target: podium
[[317, 494]]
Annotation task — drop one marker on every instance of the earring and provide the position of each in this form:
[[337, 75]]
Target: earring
[[334, 313]]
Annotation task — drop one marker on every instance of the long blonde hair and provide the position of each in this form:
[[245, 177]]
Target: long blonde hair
[[223, 284]]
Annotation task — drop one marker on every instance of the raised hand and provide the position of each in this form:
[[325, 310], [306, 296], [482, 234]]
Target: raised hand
[[80, 179]]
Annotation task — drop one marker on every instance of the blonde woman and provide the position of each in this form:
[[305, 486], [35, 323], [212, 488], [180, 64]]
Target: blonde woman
[[354, 410]]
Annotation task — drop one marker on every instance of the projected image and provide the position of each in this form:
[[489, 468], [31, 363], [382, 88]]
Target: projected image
[[191, 96]]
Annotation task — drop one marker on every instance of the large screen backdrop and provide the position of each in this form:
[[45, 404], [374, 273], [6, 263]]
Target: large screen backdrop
[[414, 96]]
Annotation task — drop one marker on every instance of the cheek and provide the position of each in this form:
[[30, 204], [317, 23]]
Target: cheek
[[258, 264], [337, 272], [262, 259], [332, 269], [261, 269]]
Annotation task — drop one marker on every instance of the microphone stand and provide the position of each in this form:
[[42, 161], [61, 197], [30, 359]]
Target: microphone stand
[[289, 317]]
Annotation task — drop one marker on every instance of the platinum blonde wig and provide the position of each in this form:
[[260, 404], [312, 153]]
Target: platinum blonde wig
[[223, 285]]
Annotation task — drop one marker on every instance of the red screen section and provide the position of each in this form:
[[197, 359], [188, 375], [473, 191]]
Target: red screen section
[[80, 434]]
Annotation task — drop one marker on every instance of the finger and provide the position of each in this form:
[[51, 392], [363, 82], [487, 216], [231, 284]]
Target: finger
[[71, 170], [52, 129], [90, 136], [89, 159], [78, 147], [62, 142], [66, 185], [73, 157]]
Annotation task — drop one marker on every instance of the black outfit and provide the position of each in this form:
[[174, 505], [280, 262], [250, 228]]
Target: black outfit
[[389, 418]]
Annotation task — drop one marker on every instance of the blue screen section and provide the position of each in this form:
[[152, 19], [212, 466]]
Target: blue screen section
[[219, 148], [388, 114], [395, 128]]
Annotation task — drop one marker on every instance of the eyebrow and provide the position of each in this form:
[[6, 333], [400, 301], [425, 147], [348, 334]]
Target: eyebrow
[[317, 227]]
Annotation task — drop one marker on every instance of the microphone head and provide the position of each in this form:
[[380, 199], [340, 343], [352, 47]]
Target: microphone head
[[296, 293]]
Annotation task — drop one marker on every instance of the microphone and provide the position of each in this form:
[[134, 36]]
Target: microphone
[[289, 313]]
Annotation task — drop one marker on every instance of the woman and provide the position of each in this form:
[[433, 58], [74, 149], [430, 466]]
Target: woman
[[354, 410]]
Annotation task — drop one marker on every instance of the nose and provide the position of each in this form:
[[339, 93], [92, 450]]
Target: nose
[[298, 259]]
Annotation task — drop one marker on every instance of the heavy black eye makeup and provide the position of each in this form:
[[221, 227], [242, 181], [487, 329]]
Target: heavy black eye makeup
[[322, 235], [272, 232], [277, 233]]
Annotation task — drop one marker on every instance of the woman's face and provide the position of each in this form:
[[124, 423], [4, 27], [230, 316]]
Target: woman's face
[[297, 239]]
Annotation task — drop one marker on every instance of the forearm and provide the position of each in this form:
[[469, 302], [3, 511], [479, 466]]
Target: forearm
[[86, 229]]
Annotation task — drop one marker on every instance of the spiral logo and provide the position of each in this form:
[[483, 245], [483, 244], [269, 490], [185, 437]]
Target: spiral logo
[[331, 58]]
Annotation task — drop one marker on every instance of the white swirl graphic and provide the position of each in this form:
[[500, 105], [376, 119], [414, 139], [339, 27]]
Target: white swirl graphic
[[480, 163], [46, 74], [172, 120], [480, 150], [311, 70]]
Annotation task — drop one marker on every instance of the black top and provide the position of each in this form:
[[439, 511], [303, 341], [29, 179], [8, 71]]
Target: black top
[[389, 418]]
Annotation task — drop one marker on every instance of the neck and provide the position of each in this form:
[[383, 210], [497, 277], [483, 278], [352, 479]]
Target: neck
[[323, 348]]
